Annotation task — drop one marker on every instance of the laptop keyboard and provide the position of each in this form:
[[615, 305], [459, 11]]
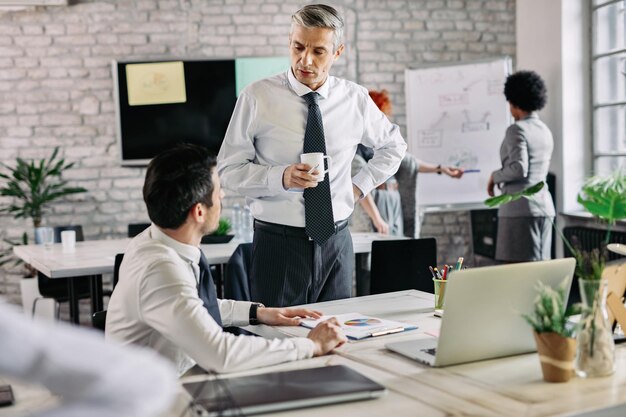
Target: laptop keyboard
[[431, 351]]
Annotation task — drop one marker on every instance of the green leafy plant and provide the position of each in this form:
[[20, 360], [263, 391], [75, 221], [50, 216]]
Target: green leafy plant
[[6, 255], [223, 228], [34, 185], [605, 198], [549, 314]]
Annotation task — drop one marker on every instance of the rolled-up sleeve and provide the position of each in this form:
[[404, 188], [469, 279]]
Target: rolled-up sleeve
[[389, 148]]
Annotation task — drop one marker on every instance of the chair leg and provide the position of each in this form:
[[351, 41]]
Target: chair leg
[[35, 305], [57, 310]]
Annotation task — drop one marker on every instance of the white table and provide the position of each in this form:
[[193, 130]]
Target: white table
[[96, 257], [511, 386]]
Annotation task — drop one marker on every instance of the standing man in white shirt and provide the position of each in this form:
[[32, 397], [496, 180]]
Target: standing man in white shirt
[[165, 298], [302, 250]]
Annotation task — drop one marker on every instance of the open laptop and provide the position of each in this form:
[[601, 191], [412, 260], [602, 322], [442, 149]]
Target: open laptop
[[279, 391], [483, 313]]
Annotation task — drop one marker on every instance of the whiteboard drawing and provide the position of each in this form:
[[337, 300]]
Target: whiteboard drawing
[[463, 158], [475, 125], [453, 99], [471, 85], [457, 115], [495, 87], [430, 138]]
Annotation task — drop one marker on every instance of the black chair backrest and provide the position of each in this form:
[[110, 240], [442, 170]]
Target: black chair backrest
[[237, 276], [484, 231], [116, 269], [57, 288], [77, 228], [135, 228], [403, 265], [99, 319]]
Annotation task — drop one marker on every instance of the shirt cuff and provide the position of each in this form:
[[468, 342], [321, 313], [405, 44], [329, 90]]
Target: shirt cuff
[[241, 313], [304, 347], [363, 182], [275, 179]]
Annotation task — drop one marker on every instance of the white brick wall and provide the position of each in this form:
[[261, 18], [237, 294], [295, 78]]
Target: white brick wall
[[56, 87]]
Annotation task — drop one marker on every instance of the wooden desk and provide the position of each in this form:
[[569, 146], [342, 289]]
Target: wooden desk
[[96, 257], [511, 386]]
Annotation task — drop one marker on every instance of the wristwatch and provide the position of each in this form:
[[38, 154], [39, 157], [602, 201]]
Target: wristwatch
[[253, 309], [439, 169]]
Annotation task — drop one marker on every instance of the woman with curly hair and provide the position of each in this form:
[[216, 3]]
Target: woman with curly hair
[[524, 227]]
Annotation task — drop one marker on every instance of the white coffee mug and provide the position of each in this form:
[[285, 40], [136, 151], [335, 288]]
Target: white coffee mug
[[68, 239], [316, 161]]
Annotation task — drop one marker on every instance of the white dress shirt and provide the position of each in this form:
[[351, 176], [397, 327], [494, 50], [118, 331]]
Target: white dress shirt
[[156, 304], [266, 135], [92, 378]]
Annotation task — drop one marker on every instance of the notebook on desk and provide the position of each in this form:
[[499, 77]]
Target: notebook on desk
[[483, 313], [279, 391]]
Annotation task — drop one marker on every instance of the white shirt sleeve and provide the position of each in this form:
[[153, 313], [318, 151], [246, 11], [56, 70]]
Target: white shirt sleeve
[[389, 149], [170, 305], [236, 159], [92, 378]]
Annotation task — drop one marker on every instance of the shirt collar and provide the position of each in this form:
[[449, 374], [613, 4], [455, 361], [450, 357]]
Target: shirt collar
[[301, 89], [189, 253]]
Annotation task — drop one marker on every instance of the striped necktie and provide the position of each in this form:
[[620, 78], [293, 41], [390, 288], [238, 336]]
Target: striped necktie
[[318, 208]]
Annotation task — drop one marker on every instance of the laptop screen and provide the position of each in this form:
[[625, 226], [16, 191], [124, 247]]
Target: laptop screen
[[483, 309], [277, 391]]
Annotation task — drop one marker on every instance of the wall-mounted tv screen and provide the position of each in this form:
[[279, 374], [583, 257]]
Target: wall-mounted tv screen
[[164, 102], [160, 104]]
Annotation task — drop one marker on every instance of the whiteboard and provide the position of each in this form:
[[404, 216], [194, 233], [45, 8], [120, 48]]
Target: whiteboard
[[457, 115]]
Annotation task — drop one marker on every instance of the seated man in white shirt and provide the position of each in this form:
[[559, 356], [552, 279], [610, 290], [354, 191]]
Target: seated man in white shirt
[[165, 298]]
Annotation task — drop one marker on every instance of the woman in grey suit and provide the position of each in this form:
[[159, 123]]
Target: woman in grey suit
[[524, 227]]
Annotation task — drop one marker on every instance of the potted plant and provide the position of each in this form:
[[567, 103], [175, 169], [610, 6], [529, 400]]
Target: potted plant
[[33, 185], [221, 233], [604, 196], [554, 336]]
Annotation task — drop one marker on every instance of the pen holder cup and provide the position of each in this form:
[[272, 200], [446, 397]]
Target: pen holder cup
[[440, 290]]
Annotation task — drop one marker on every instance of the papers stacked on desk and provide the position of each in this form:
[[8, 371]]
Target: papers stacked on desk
[[358, 326]]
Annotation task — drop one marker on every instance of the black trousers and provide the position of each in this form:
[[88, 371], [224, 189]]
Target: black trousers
[[289, 269]]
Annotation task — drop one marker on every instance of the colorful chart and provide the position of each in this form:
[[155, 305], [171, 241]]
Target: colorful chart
[[361, 322]]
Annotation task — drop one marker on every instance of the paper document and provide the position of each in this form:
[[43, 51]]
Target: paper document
[[358, 326]]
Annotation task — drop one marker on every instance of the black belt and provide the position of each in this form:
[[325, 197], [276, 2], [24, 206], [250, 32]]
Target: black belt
[[291, 230]]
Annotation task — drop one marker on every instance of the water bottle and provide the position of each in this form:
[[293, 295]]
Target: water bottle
[[247, 227], [236, 220]]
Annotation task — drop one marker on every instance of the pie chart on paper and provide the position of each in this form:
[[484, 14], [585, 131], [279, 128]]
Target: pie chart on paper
[[361, 322]]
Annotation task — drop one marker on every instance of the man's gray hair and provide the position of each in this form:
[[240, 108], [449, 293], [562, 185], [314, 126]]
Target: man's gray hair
[[320, 16]]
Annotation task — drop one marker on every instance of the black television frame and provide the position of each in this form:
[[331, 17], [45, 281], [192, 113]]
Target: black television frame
[[124, 110]]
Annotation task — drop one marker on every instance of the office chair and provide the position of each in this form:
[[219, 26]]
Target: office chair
[[99, 318], [402, 265], [57, 288], [135, 228], [237, 274]]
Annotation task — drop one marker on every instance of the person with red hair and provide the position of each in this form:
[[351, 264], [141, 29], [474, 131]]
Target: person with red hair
[[382, 208]]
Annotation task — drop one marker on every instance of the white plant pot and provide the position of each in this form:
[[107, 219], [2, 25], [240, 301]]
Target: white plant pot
[[30, 292]]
